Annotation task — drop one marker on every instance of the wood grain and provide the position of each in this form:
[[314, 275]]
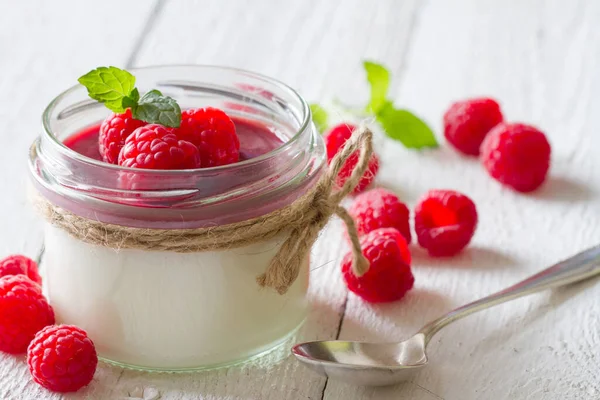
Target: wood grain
[[45, 47], [538, 57], [285, 40]]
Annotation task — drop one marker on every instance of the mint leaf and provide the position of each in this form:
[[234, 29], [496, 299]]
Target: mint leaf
[[379, 79], [131, 100], [319, 116], [109, 85], [155, 108], [404, 126], [116, 89]]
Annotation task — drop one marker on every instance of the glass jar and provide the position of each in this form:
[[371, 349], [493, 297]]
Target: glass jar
[[162, 310]]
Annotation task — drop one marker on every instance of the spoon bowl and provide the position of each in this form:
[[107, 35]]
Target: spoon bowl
[[373, 364], [379, 364]]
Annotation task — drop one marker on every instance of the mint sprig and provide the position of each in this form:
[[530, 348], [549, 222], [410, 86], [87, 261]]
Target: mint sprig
[[398, 123], [153, 106], [115, 88], [319, 116], [405, 127], [379, 79], [109, 85]]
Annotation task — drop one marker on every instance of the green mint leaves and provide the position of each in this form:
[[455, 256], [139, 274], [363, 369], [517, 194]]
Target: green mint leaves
[[109, 85], [379, 79], [320, 117], [159, 109], [115, 88], [399, 124], [405, 127]]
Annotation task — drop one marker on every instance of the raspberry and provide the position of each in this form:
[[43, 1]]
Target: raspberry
[[380, 208], [389, 276], [466, 123], [156, 147], [445, 222], [23, 312], [62, 358], [213, 132], [335, 140], [517, 155], [20, 265], [113, 132]]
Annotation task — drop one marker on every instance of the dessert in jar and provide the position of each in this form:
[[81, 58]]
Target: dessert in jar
[[156, 301]]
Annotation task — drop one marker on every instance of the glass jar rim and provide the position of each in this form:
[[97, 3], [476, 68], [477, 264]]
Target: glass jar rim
[[62, 148], [187, 198]]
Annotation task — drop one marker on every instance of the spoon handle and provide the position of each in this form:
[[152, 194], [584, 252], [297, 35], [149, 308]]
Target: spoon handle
[[579, 267]]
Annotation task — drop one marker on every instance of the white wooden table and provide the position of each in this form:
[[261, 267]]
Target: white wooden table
[[541, 59]]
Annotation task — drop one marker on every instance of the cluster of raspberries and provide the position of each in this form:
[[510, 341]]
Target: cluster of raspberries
[[206, 138], [444, 222], [515, 154], [61, 358]]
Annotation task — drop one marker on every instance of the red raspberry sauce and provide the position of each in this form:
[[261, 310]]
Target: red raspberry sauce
[[255, 139]]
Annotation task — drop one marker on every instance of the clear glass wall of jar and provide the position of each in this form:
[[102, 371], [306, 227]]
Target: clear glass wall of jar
[[166, 310]]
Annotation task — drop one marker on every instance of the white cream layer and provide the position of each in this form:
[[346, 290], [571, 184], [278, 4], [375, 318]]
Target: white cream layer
[[168, 310]]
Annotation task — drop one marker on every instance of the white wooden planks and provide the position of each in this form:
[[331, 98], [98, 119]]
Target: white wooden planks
[[539, 58], [316, 47], [44, 47]]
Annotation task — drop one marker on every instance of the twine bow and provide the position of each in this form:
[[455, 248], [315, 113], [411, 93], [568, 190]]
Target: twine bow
[[325, 202]]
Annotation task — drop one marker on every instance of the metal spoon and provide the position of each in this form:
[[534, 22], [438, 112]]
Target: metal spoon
[[380, 364]]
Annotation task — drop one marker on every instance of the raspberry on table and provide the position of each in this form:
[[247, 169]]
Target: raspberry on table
[[23, 312], [113, 132], [334, 141], [62, 358], [389, 276], [517, 155], [467, 122], [445, 222], [380, 208], [154, 146], [18, 264], [213, 132]]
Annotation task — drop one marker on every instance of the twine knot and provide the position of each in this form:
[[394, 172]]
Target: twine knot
[[301, 221], [285, 266]]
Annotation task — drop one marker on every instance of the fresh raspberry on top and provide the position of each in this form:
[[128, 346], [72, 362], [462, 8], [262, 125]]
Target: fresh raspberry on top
[[20, 265], [154, 146], [213, 132], [23, 312], [517, 155], [445, 222], [380, 208], [335, 140], [62, 358], [466, 123], [389, 276], [113, 132]]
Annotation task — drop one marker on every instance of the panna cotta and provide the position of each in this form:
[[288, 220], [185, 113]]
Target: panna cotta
[[170, 310]]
